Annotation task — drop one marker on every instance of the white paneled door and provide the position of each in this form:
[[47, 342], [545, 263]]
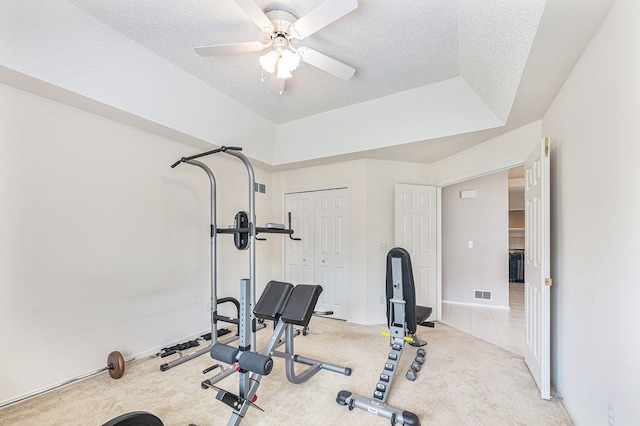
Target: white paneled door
[[299, 255], [321, 220], [415, 231], [537, 267]]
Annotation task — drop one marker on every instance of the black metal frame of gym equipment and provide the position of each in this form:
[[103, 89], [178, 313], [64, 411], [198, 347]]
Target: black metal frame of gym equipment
[[247, 337], [397, 337]]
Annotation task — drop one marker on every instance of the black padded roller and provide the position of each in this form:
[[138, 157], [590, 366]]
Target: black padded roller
[[136, 418], [342, 397], [256, 363], [410, 419], [224, 353]]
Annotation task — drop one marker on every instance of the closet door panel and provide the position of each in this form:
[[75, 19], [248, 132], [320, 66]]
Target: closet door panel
[[299, 256]]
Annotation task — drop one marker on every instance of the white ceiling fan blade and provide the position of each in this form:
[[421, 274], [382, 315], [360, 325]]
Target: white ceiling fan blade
[[325, 63], [324, 14], [256, 14], [276, 85], [230, 49]]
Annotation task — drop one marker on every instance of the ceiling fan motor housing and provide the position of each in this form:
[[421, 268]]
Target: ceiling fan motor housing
[[281, 21]]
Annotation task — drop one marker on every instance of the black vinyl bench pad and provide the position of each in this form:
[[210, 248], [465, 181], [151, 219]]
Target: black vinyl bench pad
[[301, 304], [273, 300], [292, 304]]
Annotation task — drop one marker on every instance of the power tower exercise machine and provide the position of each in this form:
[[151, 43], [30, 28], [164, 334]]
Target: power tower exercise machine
[[403, 316], [283, 303], [244, 233]]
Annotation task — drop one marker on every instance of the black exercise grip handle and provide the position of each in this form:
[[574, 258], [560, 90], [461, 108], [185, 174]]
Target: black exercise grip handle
[[203, 154], [213, 367], [165, 354]]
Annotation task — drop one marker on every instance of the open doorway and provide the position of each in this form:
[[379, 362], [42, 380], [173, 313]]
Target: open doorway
[[516, 256], [478, 237], [516, 225]]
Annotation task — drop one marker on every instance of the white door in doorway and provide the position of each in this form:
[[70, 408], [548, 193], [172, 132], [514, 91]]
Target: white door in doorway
[[415, 231], [537, 267], [322, 255]]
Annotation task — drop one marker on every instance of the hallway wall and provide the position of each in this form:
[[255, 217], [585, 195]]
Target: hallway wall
[[483, 222], [594, 129]]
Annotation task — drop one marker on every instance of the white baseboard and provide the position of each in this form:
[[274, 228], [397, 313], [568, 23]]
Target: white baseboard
[[476, 305], [370, 322], [157, 349], [151, 352]]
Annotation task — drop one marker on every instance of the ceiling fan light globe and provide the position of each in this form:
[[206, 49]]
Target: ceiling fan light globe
[[268, 61], [283, 73], [288, 60]]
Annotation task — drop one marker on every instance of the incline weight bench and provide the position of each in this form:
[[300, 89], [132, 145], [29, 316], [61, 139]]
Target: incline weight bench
[[287, 305], [403, 317]]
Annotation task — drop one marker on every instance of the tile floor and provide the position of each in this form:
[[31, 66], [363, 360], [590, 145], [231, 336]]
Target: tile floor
[[501, 327]]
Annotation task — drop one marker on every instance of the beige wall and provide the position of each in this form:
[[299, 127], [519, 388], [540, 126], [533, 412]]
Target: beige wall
[[351, 175], [382, 176], [484, 221], [371, 185], [104, 247], [595, 132], [500, 153]]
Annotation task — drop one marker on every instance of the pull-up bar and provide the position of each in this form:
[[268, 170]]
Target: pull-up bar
[[204, 154]]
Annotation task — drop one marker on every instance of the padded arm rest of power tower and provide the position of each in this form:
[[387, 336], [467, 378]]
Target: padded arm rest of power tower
[[301, 303], [273, 300]]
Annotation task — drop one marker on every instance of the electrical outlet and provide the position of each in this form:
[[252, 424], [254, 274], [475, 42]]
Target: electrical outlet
[[381, 299], [611, 416]]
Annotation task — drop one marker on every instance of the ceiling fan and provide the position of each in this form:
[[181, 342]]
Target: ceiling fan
[[280, 32]]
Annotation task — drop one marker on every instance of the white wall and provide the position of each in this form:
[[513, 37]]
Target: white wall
[[484, 220], [500, 153], [142, 86], [372, 185], [595, 132], [349, 174], [382, 176], [103, 246]]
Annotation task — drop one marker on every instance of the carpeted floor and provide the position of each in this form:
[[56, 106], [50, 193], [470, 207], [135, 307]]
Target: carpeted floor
[[464, 381]]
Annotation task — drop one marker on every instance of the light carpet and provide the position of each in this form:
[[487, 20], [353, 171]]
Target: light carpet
[[464, 381]]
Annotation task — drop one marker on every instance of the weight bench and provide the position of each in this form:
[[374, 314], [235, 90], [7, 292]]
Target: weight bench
[[297, 311], [287, 306], [403, 317], [414, 314]]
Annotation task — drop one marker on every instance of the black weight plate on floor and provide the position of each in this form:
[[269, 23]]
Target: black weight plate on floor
[[116, 363], [136, 418]]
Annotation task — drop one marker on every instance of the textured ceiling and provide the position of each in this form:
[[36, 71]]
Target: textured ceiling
[[393, 46], [432, 77]]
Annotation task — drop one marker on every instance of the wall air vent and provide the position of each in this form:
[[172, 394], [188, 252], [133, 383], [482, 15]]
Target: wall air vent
[[482, 295], [260, 187]]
